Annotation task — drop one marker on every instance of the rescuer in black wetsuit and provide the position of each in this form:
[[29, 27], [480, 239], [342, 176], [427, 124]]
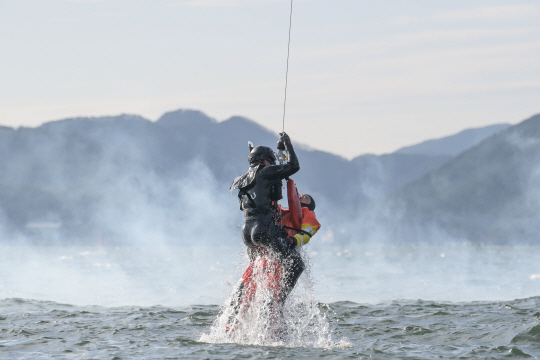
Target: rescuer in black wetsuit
[[259, 191]]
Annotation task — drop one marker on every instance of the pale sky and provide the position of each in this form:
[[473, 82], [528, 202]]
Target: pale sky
[[364, 76]]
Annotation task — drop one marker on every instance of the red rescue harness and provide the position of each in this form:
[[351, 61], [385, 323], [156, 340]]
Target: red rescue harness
[[295, 208]]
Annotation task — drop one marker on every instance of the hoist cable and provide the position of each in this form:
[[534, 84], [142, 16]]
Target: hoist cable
[[287, 72]]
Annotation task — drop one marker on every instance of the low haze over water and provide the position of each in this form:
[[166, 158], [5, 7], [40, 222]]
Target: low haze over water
[[385, 301]]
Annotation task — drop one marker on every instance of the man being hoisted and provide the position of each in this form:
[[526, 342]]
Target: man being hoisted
[[298, 237], [309, 224]]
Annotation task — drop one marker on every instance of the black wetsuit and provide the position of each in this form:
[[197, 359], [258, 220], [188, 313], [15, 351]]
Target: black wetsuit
[[260, 190]]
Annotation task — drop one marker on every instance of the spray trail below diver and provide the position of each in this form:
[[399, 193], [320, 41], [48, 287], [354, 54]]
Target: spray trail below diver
[[258, 318]]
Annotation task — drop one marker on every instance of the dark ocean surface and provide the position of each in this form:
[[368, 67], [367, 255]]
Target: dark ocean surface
[[32, 329], [384, 302]]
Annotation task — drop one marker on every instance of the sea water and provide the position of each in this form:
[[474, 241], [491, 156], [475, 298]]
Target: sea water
[[383, 301]]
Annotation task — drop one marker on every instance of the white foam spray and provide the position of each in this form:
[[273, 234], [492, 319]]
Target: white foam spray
[[299, 323]]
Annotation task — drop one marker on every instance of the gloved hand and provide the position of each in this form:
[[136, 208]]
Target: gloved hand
[[285, 138], [292, 242]]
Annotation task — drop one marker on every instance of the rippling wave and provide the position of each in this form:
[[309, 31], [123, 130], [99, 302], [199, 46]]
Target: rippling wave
[[353, 301], [31, 329]]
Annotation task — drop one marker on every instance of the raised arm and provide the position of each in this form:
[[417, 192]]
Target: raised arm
[[285, 170]]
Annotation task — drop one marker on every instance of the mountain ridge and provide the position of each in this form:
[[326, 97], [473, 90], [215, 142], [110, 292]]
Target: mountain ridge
[[484, 192], [454, 144], [87, 173]]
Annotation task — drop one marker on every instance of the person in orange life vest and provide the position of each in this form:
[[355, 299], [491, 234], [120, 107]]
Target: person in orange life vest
[[297, 238], [310, 224]]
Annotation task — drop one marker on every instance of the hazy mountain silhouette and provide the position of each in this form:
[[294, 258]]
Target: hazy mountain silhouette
[[488, 193], [113, 175], [454, 144]]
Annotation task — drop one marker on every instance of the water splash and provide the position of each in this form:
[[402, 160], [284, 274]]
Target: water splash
[[299, 322]]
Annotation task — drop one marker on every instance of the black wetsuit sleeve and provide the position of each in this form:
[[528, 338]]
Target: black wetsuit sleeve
[[285, 170]]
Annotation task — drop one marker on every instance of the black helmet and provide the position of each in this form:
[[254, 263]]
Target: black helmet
[[260, 153], [311, 205]]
